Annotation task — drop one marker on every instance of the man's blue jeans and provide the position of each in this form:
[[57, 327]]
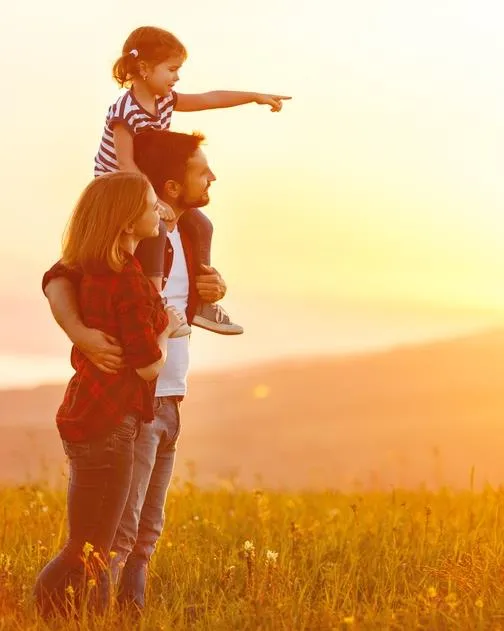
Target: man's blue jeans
[[98, 487], [143, 517]]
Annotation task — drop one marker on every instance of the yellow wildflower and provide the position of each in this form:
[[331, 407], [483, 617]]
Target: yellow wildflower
[[451, 599]]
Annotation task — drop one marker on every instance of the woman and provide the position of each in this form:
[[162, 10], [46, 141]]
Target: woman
[[100, 414]]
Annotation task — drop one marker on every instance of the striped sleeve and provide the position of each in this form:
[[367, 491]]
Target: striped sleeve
[[174, 97], [121, 113]]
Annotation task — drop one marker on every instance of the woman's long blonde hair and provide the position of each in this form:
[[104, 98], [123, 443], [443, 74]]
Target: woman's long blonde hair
[[106, 207]]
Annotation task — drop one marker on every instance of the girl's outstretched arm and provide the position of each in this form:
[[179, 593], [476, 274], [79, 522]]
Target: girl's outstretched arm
[[226, 98]]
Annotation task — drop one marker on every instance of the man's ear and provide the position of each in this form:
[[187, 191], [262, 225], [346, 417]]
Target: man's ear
[[171, 190]]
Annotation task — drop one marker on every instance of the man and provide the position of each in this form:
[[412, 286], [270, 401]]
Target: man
[[179, 172]]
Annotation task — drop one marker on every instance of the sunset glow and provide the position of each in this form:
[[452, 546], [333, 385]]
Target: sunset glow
[[380, 182]]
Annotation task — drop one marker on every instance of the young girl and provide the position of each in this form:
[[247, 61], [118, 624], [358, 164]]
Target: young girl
[[149, 67], [100, 414]]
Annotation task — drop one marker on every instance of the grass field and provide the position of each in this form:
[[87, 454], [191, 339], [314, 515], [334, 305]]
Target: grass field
[[234, 559]]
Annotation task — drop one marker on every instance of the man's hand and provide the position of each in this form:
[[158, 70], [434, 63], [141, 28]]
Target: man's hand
[[211, 286], [274, 100], [101, 349]]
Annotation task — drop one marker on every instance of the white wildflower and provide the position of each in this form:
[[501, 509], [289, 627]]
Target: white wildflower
[[248, 546], [271, 557]]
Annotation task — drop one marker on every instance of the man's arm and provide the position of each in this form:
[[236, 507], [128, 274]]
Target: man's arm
[[101, 349], [62, 297]]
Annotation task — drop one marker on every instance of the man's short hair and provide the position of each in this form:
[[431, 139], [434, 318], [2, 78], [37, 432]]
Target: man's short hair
[[163, 155]]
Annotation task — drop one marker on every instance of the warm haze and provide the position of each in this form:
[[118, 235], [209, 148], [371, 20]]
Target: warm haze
[[364, 216], [370, 206]]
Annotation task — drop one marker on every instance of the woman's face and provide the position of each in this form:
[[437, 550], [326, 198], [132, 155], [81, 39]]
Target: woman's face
[[147, 225]]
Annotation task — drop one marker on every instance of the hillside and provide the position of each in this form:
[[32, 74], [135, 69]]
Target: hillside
[[410, 415]]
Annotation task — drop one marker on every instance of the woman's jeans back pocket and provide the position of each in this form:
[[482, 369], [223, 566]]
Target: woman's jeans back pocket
[[126, 431], [128, 428]]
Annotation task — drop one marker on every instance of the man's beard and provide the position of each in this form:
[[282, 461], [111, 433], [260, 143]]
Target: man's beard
[[185, 204]]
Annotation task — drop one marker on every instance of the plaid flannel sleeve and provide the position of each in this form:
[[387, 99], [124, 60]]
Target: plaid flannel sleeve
[[138, 317], [58, 270]]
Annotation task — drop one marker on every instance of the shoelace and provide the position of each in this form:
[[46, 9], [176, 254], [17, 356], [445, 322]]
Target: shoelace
[[220, 314]]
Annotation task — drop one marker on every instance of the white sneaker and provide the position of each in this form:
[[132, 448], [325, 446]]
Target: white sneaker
[[213, 317], [177, 325]]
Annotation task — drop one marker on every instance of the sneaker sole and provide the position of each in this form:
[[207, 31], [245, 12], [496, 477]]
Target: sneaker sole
[[214, 327], [182, 331]]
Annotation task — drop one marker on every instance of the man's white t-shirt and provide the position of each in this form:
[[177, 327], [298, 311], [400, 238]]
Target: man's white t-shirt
[[172, 380]]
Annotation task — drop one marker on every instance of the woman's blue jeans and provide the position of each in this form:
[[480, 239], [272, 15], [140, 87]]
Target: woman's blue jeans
[[98, 487]]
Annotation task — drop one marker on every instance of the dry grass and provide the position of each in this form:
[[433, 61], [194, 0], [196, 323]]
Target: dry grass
[[399, 560]]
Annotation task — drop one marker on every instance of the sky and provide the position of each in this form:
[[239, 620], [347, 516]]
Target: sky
[[377, 190]]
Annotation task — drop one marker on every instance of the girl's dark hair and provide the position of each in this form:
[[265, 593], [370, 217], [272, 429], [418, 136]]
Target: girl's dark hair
[[147, 43]]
